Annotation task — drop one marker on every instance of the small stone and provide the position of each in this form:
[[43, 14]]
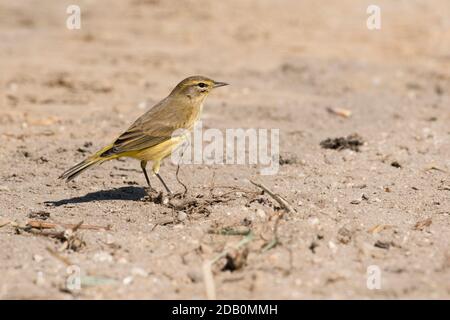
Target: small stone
[[38, 258], [181, 216], [344, 235], [195, 276], [136, 271], [382, 244], [396, 164], [355, 201], [122, 260], [128, 280], [40, 214], [109, 239], [260, 213], [142, 105], [332, 246], [103, 257]]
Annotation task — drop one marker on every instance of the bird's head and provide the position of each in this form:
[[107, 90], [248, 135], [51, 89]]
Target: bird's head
[[196, 87]]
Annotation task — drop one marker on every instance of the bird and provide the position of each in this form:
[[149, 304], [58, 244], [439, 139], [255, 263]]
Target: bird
[[151, 137]]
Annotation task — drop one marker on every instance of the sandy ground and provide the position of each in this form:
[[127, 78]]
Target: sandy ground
[[66, 93]]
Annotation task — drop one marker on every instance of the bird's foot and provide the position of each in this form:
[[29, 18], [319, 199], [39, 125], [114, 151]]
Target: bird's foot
[[153, 195], [158, 197]]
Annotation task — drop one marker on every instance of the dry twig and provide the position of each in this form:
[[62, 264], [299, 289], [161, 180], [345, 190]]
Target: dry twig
[[4, 223], [55, 254], [49, 225], [228, 231], [340, 112], [208, 277], [282, 202], [420, 225], [274, 242]]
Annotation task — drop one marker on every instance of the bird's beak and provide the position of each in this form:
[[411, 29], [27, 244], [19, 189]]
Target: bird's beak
[[220, 84]]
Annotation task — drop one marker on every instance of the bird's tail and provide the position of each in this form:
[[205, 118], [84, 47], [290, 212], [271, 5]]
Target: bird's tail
[[95, 159]]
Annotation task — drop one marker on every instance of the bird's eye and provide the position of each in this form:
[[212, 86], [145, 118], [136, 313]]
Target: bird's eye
[[202, 85]]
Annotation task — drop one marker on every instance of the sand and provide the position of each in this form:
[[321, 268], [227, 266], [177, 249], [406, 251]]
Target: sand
[[383, 210]]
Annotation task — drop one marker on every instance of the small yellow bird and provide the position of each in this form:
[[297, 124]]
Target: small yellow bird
[[150, 137]]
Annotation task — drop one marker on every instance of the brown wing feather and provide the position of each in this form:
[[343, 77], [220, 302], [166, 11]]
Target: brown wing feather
[[153, 127]]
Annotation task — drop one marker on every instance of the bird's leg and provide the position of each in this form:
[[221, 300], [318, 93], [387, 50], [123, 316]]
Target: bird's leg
[[155, 169], [143, 165], [164, 184]]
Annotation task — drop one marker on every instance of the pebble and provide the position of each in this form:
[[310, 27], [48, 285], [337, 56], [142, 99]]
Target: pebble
[[136, 271], [122, 260], [109, 239], [38, 258], [260, 213], [142, 105], [332, 246], [195, 276], [313, 221], [181, 216], [103, 257], [128, 280]]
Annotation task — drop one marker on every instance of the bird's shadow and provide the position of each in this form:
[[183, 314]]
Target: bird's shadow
[[129, 193]]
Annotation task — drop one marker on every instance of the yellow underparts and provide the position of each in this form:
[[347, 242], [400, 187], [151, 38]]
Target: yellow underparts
[[155, 154]]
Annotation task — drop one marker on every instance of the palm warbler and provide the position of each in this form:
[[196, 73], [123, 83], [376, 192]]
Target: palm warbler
[[150, 137]]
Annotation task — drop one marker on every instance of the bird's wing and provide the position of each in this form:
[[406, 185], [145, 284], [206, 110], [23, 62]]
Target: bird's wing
[[152, 128], [138, 139]]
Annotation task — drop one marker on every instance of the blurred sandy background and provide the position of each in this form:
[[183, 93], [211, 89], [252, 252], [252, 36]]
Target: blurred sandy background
[[65, 93]]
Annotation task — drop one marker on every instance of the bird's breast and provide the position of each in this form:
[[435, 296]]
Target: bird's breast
[[193, 116]]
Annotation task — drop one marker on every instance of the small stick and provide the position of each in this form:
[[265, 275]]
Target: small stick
[[420, 225], [233, 190], [340, 112], [275, 241], [164, 221], [243, 242], [282, 202], [230, 231], [272, 244], [435, 168], [4, 223], [211, 188], [77, 226], [49, 225], [178, 170], [207, 267], [180, 182], [208, 277], [46, 233], [64, 260]]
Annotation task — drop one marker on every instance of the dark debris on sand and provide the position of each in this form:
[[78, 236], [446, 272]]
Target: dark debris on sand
[[352, 142]]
